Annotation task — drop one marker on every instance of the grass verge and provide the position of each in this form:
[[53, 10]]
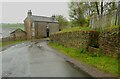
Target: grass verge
[[103, 63], [11, 42]]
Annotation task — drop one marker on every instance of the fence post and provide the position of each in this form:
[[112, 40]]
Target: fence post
[[119, 14], [119, 19]]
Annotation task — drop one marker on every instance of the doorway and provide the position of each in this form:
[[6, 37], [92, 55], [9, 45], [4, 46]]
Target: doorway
[[47, 32]]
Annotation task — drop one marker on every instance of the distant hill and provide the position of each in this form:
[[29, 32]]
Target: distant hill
[[14, 26], [6, 29]]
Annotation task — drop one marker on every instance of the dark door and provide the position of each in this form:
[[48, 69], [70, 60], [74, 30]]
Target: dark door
[[47, 32]]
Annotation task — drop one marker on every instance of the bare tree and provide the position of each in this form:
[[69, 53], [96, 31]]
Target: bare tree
[[101, 7], [97, 7]]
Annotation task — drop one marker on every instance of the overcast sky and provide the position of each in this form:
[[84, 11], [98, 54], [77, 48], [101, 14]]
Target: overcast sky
[[15, 12]]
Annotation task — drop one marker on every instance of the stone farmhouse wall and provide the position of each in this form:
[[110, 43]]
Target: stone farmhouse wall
[[40, 29], [28, 24], [94, 42], [53, 27]]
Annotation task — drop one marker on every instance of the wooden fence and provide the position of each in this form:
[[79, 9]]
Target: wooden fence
[[104, 21]]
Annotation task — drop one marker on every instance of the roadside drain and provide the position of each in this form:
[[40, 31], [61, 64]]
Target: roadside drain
[[76, 67]]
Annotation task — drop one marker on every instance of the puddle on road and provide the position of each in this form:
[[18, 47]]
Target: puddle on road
[[35, 45]]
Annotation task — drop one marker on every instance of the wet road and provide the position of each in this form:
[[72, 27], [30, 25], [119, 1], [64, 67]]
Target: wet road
[[22, 61]]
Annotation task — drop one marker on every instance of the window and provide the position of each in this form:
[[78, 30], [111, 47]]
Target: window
[[33, 29]]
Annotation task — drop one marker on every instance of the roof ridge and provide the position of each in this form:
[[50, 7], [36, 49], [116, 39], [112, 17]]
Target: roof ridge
[[16, 30], [41, 16]]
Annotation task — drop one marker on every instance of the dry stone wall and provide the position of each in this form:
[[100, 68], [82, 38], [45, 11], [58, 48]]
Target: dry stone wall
[[14, 37], [105, 42], [109, 42], [75, 39]]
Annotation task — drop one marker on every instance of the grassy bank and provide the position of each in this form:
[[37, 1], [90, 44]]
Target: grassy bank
[[11, 42], [104, 63], [75, 29]]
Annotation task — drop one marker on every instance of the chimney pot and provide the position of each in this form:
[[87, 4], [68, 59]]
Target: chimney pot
[[29, 13]]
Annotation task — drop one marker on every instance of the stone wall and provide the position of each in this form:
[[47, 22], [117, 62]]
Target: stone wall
[[109, 42], [10, 38], [75, 39], [6, 39], [95, 42], [15, 36]]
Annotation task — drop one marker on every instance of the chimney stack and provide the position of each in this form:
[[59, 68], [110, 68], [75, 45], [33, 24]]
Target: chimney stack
[[53, 17], [29, 13]]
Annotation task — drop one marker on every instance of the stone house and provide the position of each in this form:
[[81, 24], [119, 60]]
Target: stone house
[[40, 26], [18, 34]]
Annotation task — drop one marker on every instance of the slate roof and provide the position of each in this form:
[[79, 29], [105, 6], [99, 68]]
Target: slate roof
[[17, 30], [6, 31], [42, 18]]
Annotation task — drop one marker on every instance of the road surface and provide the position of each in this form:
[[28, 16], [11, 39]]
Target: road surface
[[25, 61]]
